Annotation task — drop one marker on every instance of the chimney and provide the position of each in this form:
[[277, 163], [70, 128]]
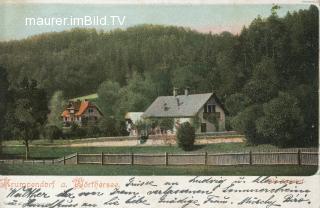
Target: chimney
[[186, 91], [175, 91]]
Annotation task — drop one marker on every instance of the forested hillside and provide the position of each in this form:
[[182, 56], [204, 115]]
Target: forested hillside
[[267, 75]]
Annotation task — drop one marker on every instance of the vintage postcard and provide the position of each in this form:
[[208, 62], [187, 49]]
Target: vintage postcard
[[159, 104]]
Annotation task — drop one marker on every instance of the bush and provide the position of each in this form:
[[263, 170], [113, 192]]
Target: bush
[[75, 132], [282, 121], [108, 127], [93, 131], [245, 122], [186, 136], [52, 132]]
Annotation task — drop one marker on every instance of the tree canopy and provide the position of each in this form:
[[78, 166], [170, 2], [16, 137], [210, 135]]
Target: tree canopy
[[130, 68]]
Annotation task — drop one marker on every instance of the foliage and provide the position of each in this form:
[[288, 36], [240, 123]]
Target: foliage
[[143, 126], [74, 132], [263, 84], [137, 95], [186, 136], [166, 123], [4, 103], [52, 132], [56, 106], [236, 103], [213, 118], [195, 122], [282, 121], [108, 96], [245, 123], [30, 112], [131, 67], [109, 126], [93, 131]]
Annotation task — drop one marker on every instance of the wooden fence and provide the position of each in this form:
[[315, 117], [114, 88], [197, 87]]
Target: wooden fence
[[303, 156]]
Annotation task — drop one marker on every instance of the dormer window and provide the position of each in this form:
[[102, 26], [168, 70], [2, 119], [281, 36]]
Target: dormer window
[[90, 110], [209, 108]]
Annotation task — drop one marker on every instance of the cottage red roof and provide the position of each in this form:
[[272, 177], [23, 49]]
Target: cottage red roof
[[65, 113], [83, 107]]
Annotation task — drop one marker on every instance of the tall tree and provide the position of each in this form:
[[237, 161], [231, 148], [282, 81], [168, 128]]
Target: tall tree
[[30, 112], [108, 97], [4, 100], [56, 106], [282, 121]]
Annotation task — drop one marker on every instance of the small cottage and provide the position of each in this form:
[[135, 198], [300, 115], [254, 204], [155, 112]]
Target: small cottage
[[83, 113], [204, 111]]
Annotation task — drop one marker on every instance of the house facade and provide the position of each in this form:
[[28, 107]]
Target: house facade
[[82, 113], [204, 111]]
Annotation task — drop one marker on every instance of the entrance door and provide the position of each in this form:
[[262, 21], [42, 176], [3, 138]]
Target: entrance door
[[203, 127]]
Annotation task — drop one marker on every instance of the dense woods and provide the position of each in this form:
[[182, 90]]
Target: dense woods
[[267, 75]]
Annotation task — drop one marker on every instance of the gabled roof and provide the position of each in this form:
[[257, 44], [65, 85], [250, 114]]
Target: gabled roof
[[79, 108], [178, 106], [83, 107]]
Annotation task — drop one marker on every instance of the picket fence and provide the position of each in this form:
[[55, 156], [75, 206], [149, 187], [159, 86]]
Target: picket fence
[[293, 156]]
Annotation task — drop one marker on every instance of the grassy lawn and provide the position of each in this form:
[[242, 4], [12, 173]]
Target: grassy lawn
[[45, 152], [28, 169]]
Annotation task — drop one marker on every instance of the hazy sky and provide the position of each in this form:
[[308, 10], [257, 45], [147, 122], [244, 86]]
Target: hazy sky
[[204, 18]]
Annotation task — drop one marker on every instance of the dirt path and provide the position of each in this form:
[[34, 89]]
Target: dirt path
[[134, 142]]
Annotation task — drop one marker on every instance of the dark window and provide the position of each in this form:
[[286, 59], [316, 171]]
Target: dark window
[[205, 108], [203, 127], [211, 108]]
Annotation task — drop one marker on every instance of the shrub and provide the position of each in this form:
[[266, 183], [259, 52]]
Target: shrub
[[166, 124], [142, 127], [282, 121], [245, 122], [75, 132], [52, 132], [93, 131], [108, 126], [186, 136]]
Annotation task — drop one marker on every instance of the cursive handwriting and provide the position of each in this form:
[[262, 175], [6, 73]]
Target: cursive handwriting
[[195, 191]]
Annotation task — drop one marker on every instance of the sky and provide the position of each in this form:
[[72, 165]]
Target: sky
[[203, 18]]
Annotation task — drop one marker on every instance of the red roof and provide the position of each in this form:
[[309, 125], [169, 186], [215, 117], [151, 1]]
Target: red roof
[[83, 107], [65, 114], [79, 108]]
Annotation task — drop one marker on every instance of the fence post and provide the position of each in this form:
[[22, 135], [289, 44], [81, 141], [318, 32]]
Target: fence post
[[299, 158], [250, 157], [64, 160], [166, 158], [102, 157], [206, 158], [132, 158], [77, 158]]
